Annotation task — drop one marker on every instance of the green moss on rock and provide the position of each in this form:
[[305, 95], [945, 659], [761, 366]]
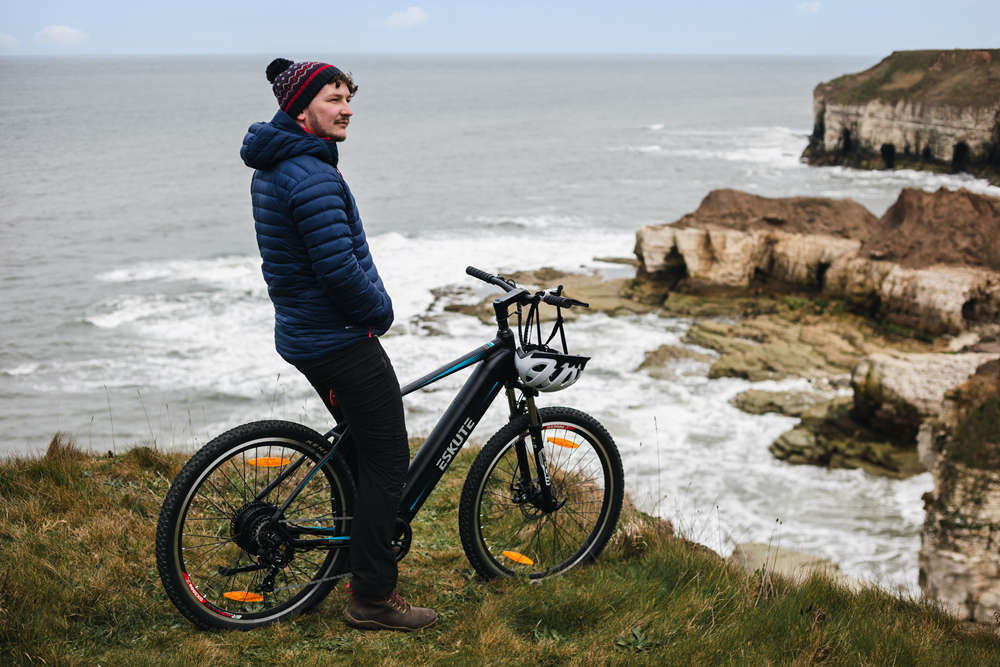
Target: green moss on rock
[[977, 438]]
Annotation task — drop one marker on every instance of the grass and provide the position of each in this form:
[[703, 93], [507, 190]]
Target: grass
[[957, 77], [79, 586]]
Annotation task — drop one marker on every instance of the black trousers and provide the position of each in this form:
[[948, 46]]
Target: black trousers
[[359, 384]]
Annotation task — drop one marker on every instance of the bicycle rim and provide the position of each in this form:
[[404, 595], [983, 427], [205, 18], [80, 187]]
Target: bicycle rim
[[521, 539], [222, 528]]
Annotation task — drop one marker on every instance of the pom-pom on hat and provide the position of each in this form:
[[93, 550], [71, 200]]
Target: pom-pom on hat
[[295, 84]]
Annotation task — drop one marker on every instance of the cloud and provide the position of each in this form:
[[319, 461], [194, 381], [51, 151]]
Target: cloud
[[411, 17], [60, 35], [809, 7], [7, 41]]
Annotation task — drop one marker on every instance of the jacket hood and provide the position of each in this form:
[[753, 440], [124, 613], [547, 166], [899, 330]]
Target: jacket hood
[[267, 144]]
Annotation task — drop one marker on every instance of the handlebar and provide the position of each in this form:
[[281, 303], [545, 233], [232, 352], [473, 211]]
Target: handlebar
[[551, 297]]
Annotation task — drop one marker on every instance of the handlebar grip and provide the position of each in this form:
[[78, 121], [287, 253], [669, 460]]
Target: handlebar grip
[[562, 301], [479, 273], [489, 278]]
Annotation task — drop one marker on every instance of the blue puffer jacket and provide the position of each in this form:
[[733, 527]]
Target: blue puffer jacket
[[320, 275]]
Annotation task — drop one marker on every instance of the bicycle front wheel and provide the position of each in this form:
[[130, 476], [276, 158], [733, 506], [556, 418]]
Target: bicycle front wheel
[[505, 529], [224, 560]]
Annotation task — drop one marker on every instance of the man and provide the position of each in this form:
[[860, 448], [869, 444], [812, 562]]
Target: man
[[330, 306]]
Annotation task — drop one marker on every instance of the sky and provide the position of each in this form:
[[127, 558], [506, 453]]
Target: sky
[[787, 27]]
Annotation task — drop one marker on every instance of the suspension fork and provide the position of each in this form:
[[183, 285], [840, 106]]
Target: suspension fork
[[548, 501], [519, 447]]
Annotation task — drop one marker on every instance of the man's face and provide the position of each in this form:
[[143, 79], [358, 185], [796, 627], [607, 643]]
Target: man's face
[[329, 112]]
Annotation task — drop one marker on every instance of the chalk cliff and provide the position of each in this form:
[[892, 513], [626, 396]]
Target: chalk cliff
[[959, 559], [932, 109]]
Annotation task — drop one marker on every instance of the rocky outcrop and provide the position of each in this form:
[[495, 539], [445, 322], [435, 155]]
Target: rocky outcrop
[[936, 110], [839, 250], [922, 229], [899, 392], [897, 398], [789, 403], [959, 555], [794, 341], [830, 436]]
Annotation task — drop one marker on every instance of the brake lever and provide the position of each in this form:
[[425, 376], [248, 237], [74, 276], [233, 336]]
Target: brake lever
[[510, 283]]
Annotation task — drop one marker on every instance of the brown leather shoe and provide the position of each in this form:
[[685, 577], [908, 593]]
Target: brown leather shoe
[[392, 613]]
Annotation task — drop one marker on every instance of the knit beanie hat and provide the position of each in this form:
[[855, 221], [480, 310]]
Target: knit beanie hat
[[295, 84]]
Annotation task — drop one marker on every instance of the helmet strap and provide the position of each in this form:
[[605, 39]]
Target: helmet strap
[[558, 326], [524, 328]]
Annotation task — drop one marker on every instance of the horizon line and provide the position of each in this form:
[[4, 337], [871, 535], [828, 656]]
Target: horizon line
[[130, 54]]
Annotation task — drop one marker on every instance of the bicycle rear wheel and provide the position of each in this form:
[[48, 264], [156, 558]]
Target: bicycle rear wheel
[[223, 560], [505, 531]]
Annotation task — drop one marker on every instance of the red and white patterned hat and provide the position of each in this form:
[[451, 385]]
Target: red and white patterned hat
[[295, 84]]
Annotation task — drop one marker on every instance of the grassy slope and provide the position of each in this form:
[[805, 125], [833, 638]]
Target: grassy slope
[[79, 585], [939, 77]]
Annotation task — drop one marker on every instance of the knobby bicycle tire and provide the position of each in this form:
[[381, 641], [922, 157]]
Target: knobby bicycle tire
[[209, 521], [505, 533]]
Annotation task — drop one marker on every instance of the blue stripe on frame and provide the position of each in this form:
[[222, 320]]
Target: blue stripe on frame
[[418, 499]]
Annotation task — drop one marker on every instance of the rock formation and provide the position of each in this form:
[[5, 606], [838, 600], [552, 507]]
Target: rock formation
[[903, 268], [789, 403], [932, 109], [959, 553], [929, 264], [831, 436]]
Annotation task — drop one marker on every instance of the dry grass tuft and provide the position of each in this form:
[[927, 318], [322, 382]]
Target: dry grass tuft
[[61, 447]]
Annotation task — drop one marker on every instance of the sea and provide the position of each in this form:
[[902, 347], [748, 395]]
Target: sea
[[134, 311]]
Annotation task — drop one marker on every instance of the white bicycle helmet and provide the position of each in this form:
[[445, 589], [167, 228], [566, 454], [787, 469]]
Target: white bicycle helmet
[[544, 369]]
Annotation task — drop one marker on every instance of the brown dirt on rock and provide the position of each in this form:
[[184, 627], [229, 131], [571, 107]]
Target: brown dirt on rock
[[796, 215], [919, 230], [944, 227]]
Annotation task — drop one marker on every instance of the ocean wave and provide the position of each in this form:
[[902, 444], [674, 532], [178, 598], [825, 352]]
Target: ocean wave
[[651, 148], [124, 310], [171, 310], [907, 178], [541, 221], [777, 146], [21, 369], [735, 133], [221, 271]]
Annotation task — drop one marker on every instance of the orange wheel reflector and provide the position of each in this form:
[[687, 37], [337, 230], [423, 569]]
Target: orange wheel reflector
[[243, 596], [563, 442], [517, 558], [269, 462]]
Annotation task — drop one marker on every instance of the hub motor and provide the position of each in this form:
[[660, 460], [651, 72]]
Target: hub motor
[[253, 530]]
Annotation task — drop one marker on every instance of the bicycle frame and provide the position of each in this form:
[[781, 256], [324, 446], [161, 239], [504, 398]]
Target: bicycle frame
[[457, 423]]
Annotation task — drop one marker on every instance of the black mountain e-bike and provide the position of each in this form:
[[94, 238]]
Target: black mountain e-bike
[[257, 524]]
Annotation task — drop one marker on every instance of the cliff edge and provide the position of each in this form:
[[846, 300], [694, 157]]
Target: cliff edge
[[933, 109]]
